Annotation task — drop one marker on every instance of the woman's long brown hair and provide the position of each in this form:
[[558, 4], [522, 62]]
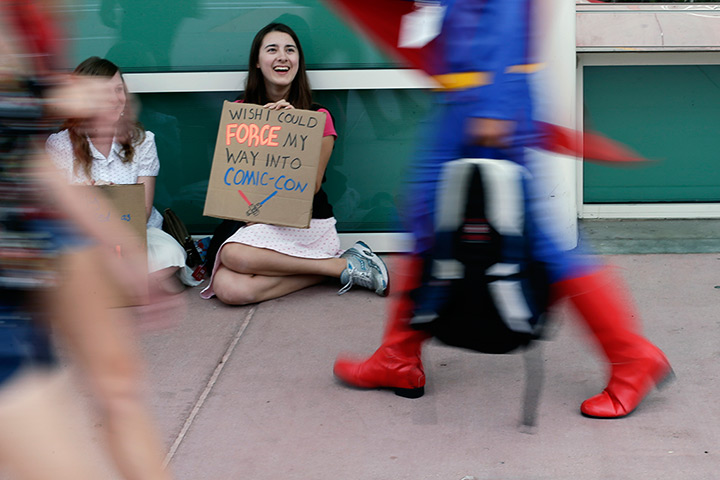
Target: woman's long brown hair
[[128, 133], [300, 95]]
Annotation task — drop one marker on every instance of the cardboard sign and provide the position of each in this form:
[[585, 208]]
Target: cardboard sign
[[265, 165], [125, 203]]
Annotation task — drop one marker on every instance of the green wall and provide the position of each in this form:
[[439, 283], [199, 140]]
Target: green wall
[[668, 114], [204, 35]]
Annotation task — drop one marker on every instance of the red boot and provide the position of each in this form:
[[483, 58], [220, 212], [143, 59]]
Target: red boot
[[396, 364], [636, 365]]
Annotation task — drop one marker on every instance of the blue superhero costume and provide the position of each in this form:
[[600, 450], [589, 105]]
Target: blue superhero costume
[[482, 81], [482, 60]]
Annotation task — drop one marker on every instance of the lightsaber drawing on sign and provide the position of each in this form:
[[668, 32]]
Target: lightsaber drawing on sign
[[254, 208]]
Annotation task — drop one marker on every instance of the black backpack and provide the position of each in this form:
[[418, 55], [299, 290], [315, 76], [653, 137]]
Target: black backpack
[[482, 288]]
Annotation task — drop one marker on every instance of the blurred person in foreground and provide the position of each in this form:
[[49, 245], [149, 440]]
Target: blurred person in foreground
[[114, 149], [55, 274], [482, 60]]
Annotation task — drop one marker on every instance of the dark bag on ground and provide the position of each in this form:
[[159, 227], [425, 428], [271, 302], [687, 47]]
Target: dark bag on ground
[[482, 288], [177, 229], [222, 232]]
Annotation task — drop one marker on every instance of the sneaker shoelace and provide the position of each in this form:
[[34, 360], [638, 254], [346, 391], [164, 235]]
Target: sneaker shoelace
[[358, 277], [364, 279]]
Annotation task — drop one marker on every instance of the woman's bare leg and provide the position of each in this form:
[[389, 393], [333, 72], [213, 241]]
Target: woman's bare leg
[[236, 288], [45, 434], [102, 342], [248, 274], [167, 280], [242, 258]]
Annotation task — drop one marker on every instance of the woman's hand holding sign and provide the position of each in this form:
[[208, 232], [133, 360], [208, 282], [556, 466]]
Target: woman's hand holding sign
[[279, 105]]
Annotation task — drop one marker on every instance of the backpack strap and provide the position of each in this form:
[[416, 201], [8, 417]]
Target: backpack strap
[[533, 358]]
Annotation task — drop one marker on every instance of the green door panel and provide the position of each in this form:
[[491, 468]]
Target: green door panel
[[668, 114]]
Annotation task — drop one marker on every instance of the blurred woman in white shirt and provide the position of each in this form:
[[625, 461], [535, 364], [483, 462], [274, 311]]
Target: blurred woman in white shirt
[[113, 148]]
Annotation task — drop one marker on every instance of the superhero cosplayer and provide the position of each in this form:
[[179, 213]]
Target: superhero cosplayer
[[481, 58]]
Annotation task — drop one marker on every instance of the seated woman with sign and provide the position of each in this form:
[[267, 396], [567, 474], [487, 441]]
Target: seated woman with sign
[[260, 262], [114, 149]]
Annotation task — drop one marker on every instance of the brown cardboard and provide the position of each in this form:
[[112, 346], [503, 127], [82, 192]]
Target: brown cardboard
[[125, 203], [265, 165]]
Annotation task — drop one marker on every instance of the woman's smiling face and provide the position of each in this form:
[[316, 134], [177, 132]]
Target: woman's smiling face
[[278, 60]]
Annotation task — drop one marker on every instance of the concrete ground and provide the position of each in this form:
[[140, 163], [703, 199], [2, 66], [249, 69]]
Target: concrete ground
[[248, 392]]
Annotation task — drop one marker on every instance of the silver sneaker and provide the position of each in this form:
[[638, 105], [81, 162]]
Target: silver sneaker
[[364, 268]]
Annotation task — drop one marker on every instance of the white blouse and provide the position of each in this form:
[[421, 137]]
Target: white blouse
[[108, 169]]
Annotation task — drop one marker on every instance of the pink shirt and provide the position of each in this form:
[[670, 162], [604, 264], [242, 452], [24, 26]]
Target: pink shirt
[[329, 125]]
